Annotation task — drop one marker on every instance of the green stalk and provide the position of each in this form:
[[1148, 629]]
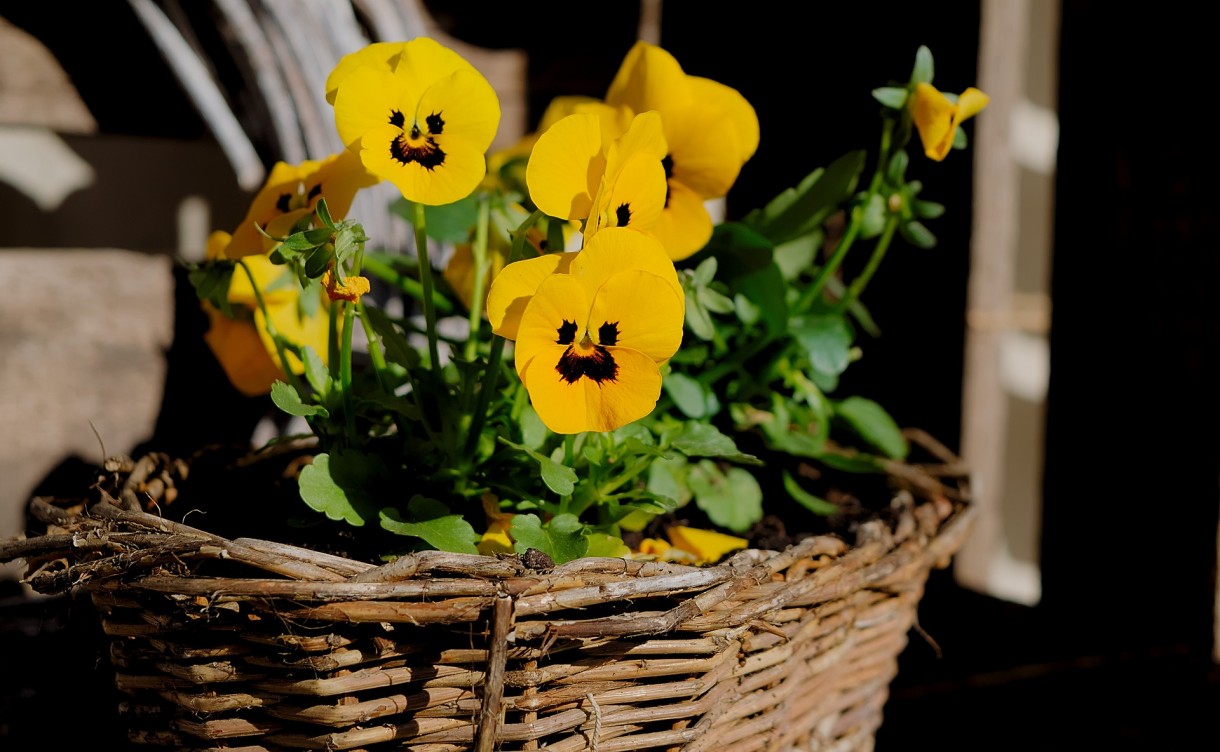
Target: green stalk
[[853, 227], [345, 370], [481, 267], [406, 284], [275, 335], [492, 372], [874, 261], [425, 281]]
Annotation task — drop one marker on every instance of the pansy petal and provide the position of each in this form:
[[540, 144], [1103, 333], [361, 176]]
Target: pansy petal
[[512, 289], [731, 106], [649, 78], [240, 351], [557, 312], [276, 282], [970, 103], [587, 404], [338, 179], [463, 106], [368, 99], [423, 62], [933, 115], [566, 167], [451, 174], [634, 197], [616, 249], [707, 545], [684, 226], [380, 55], [281, 185], [640, 311], [218, 241], [704, 148], [300, 330]]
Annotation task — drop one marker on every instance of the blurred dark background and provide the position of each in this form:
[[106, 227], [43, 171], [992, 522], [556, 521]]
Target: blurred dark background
[[1117, 654]]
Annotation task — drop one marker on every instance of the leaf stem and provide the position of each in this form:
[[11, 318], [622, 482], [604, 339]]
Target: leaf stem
[[481, 268], [859, 283], [425, 281], [280, 350]]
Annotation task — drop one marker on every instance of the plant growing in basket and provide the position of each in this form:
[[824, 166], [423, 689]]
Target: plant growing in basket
[[596, 485]]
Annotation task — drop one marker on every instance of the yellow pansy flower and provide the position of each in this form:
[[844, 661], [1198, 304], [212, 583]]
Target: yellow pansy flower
[[711, 131], [576, 171], [937, 118], [496, 540], [705, 545], [291, 192], [424, 124], [589, 341], [243, 344]]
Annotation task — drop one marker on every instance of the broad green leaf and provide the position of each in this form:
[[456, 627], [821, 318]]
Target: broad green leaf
[[323, 212], [431, 521], [450, 223], [694, 398], [873, 424], [796, 256], [318, 260], [315, 371], [732, 499], [562, 538], [286, 398], [667, 477], [917, 235], [705, 272], [558, 477], [798, 211], [705, 440], [815, 504], [337, 498], [923, 70], [714, 301], [303, 241], [698, 320], [826, 339], [894, 97], [533, 431], [601, 544]]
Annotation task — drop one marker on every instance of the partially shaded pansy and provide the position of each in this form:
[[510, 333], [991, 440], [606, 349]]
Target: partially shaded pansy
[[616, 249], [291, 193], [589, 341], [243, 344], [423, 120], [711, 132], [937, 117], [576, 171]]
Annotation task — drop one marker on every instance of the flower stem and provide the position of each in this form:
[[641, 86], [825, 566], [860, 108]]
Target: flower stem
[[280, 350], [874, 261], [345, 370], [492, 372], [425, 283], [481, 267], [854, 223]]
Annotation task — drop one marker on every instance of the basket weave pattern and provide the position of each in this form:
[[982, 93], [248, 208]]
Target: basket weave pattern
[[790, 650]]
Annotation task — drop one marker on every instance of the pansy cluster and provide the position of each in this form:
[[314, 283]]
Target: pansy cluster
[[644, 336]]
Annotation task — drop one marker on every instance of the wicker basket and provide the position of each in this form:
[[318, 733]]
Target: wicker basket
[[295, 649]]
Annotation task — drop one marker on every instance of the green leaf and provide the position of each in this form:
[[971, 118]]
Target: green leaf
[[286, 398], [336, 497], [917, 235], [449, 223], [562, 538], [826, 340], [431, 521], [732, 499], [348, 240], [303, 241], [397, 348], [323, 212], [316, 372], [705, 272], [601, 544], [923, 70], [873, 219], [391, 402], [815, 504], [318, 260], [960, 141], [533, 431], [211, 281], [873, 424], [927, 209], [798, 211], [894, 97], [558, 477], [849, 462], [698, 320], [796, 256], [694, 398], [896, 171], [705, 440], [667, 477], [747, 312], [714, 301]]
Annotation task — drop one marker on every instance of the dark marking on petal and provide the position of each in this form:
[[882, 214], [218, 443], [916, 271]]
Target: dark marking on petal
[[622, 215], [283, 204], [396, 118], [567, 333], [607, 333], [315, 192], [435, 123], [599, 365], [429, 156], [668, 164]]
